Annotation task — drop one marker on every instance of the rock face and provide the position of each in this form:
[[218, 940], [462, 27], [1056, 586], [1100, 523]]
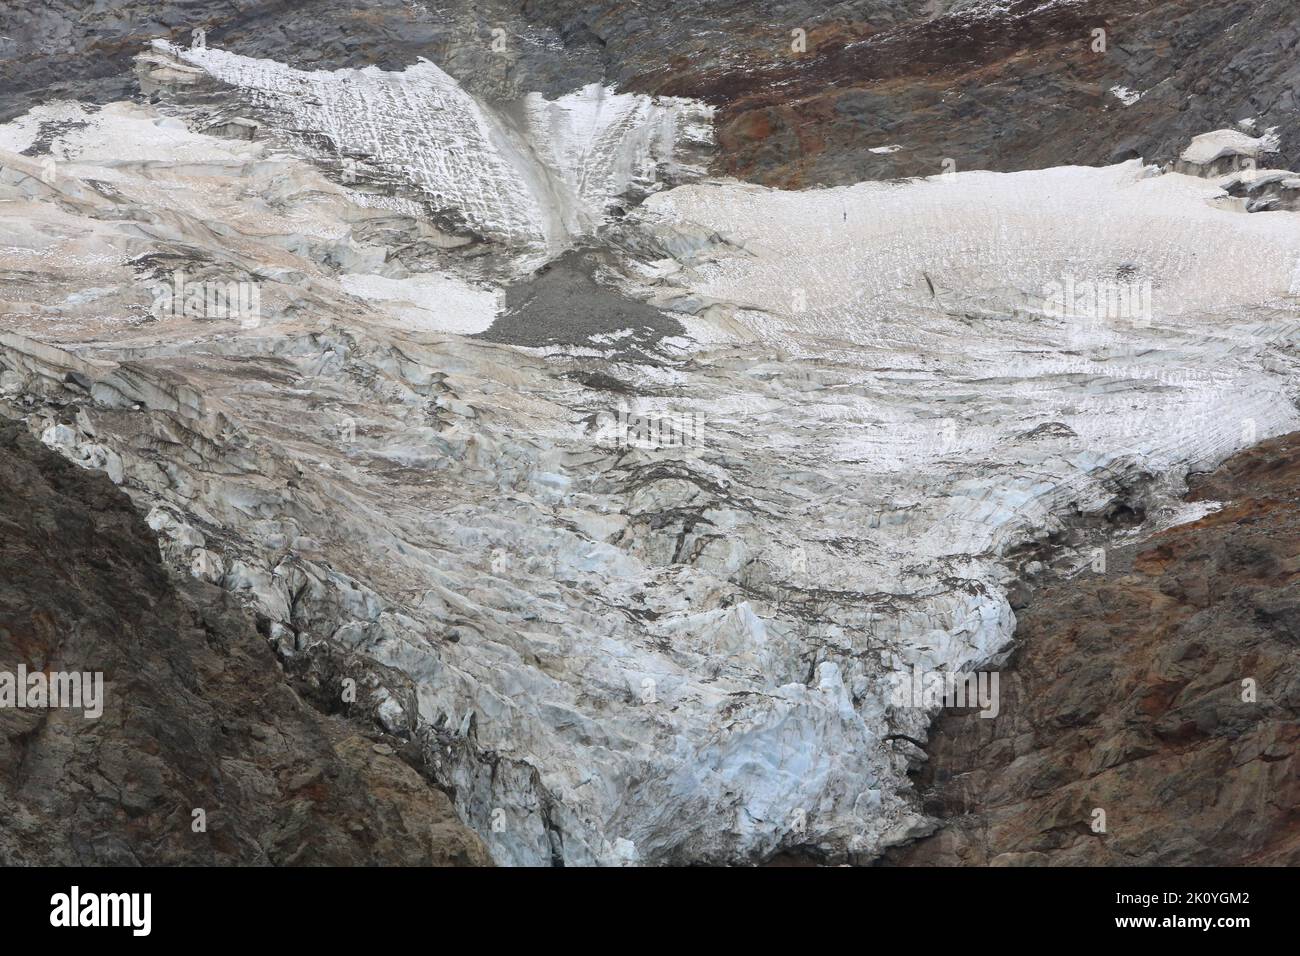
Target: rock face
[[1164, 693], [196, 711], [997, 85]]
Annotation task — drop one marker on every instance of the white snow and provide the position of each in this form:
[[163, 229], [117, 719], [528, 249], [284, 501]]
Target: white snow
[[119, 134], [430, 302], [1125, 95]]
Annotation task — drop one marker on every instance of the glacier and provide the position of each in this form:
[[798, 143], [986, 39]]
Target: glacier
[[536, 173], [612, 654]]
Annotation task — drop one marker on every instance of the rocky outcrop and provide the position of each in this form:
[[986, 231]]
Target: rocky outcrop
[[1222, 152], [1268, 190], [1236, 160], [1150, 714], [1022, 84], [203, 753]]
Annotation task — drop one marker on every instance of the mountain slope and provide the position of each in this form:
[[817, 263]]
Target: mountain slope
[[1164, 692], [197, 712]]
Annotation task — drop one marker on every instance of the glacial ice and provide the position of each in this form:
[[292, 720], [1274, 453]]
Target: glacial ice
[[541, 172], [1222, 143], [616, 654]]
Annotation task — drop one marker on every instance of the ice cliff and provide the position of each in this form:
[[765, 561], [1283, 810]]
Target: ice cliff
[[533, 172]]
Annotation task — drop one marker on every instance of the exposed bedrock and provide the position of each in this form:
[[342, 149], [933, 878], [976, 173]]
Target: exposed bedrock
[[1020, 84], [1164, 693], [197, 714]]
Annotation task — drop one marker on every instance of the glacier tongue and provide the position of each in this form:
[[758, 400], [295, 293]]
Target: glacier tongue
[[616, 654], [539, 173]]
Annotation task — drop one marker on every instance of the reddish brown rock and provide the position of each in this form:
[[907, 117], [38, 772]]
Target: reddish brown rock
[[1125, 695], [1026, 87]]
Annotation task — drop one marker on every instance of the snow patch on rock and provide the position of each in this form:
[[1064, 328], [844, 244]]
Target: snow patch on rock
[[1125, 95]]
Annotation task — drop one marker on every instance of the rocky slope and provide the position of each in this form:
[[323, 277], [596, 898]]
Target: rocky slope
[[1022, 84], [197, 712], [1164, 692]]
